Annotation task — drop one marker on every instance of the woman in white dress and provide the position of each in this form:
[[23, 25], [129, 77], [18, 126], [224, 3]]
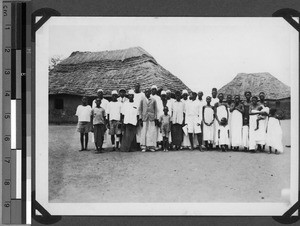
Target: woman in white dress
[[254, 135], [236, 110], [208, 120], [274, 133], [221, 111]]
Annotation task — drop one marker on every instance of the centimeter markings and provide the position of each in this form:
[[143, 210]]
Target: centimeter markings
[[6, 121]]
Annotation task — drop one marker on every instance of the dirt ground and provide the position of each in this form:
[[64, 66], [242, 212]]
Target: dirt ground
[[175, 176]]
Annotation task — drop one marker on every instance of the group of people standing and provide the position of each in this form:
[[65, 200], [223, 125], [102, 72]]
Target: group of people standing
[[147, 121]]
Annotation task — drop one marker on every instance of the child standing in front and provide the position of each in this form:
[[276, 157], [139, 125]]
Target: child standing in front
[[98, 121], [83, 113], [274, 133], [223, 134], [165, 127]]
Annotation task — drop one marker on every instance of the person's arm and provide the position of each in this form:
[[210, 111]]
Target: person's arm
[[228, 133], [219, 133], [183, 122], [203, 119], [216, 113], [92, 117], [232, 107]]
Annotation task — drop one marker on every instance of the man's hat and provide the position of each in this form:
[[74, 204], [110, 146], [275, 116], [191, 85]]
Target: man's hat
[[100, 90], [131, 91], [114, 92], [154, 87], [185, 91]]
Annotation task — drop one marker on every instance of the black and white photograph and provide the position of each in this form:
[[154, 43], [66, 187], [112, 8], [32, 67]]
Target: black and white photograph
[[166, 116]]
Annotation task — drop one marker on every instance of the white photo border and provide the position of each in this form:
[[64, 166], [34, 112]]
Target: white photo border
[[213, 209]]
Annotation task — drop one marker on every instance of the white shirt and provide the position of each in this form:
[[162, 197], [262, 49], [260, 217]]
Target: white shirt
[[123, 100], [84, 113], [160, 107], [103, 104], [214, 101], [114, 110], [177, 112], [192, 109], [130, 112]]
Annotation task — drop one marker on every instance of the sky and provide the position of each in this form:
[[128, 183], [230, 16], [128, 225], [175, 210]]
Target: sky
[[202, 52]]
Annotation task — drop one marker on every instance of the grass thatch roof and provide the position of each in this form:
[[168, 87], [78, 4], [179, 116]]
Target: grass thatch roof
[[83, 73], [256, 83]]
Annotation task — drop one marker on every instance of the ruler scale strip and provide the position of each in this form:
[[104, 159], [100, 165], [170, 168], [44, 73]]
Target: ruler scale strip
[[6, 105], [15, 66]]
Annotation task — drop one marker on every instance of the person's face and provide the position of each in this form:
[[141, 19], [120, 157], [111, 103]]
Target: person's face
[[114, 96], [137, 88], [168, 95], [245, 121], [147, 93], [214, 93], [254, 101], [122, 93], [200, 95], [229, 98], [178, 97], [84, 101], [166, 110], [261, 96], [163, 96], [154, 91], [236, 100], [185, 96], [208, 100], [191, 96], [220, 97], [100, 94], [98, 102], [130, 97], [248, 96]]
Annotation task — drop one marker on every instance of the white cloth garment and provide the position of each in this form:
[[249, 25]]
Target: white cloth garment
[[84, 113], [246, 136], [114, 110], [129, 110], [274, 134], [148, 134], [236, 128], [224, 139], [208, 131]]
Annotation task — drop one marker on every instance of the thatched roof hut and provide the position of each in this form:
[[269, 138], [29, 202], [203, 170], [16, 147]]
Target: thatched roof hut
[[257, 82], [83, 73]]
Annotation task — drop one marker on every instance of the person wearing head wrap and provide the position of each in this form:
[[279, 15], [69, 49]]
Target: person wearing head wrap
[[104, 102], [122, 98], [129, 119], [114, 117]]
